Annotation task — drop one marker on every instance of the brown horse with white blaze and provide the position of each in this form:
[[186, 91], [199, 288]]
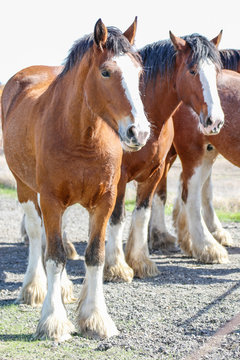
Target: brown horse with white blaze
[[176, 70], [63, 128]]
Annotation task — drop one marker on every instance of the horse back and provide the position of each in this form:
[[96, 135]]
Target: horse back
[[229, 84], [27, 83]]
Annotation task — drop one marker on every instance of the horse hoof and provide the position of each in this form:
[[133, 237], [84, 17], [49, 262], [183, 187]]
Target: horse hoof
[[162, 241], [67, 294], [32, 294], [223, 237], [54, 328], [118, 273], [212, 254], [143, 267], [96, 324]]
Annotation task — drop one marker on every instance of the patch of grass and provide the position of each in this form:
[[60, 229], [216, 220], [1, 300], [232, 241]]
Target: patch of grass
[[223, 215], [7, 191], [168, 209], [18, 324], [130, 205], [228, 216]]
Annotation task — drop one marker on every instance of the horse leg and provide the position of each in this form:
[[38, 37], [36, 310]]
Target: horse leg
[[24, 234], [92, 316], [116, 267], [53, 323], [67, 285], [136, 251], [177, 207], [180, 222], [159, 237], [68, 246], [203, 246], [34, 286], [210, 217]]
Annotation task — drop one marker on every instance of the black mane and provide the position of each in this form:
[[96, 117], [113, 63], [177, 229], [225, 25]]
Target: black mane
[[230, 59], [116, 42], [159, 57]]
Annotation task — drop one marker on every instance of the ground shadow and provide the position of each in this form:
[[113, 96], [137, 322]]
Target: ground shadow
[[17, 337], [206, 308]]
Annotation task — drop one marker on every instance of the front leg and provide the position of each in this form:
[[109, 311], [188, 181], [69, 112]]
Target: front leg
[[53, 323], [92, 316], [136, 252], [116, 268]]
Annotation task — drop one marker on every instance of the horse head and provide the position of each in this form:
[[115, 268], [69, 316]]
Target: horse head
[[112, 85], [198, 65]]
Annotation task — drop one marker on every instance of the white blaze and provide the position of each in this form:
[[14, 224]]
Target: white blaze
[[130, 83], [207, 74]]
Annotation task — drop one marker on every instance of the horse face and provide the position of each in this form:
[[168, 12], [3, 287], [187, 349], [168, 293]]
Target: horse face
[[197, 87], [113, 86]]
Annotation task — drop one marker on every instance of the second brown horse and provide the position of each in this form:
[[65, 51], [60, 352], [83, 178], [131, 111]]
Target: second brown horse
[[177, 70]]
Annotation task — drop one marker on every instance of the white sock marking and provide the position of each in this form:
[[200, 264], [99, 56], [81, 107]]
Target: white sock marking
[[34, 230]]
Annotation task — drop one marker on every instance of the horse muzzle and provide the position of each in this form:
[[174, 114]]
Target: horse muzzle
[[210, 125], [134, 139]]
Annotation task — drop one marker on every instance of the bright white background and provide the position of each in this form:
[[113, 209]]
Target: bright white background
[[36, 32]]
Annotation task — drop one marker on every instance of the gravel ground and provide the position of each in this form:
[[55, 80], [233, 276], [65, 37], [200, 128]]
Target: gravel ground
[[167, 317]]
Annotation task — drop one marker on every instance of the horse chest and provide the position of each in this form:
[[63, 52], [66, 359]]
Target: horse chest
[[140, 165], [83, 181]]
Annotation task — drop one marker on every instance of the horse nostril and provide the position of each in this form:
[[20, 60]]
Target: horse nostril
[[209, 121], [132, 132]]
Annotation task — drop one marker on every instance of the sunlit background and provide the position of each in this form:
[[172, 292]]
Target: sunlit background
[[37, 32]]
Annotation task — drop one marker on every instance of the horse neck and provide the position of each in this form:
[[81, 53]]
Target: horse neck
[[76, 116], [160, 101]]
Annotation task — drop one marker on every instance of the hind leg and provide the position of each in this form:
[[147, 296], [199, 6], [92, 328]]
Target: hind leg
[[159, 236], [180, 222], [66, 284], [116, 268], [34, 286], [68, 246], [24, 234], [203, 245], [136, 252], [210, 217]]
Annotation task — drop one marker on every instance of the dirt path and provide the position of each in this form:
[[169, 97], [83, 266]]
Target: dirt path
[[167, 317]]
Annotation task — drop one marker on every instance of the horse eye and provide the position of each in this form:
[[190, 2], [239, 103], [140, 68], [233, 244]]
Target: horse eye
[[192, 72], [105, 73]]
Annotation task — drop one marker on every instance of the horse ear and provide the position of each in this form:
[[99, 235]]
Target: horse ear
[[178, 43], [100, 34], [217, 39], [131, 32]]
